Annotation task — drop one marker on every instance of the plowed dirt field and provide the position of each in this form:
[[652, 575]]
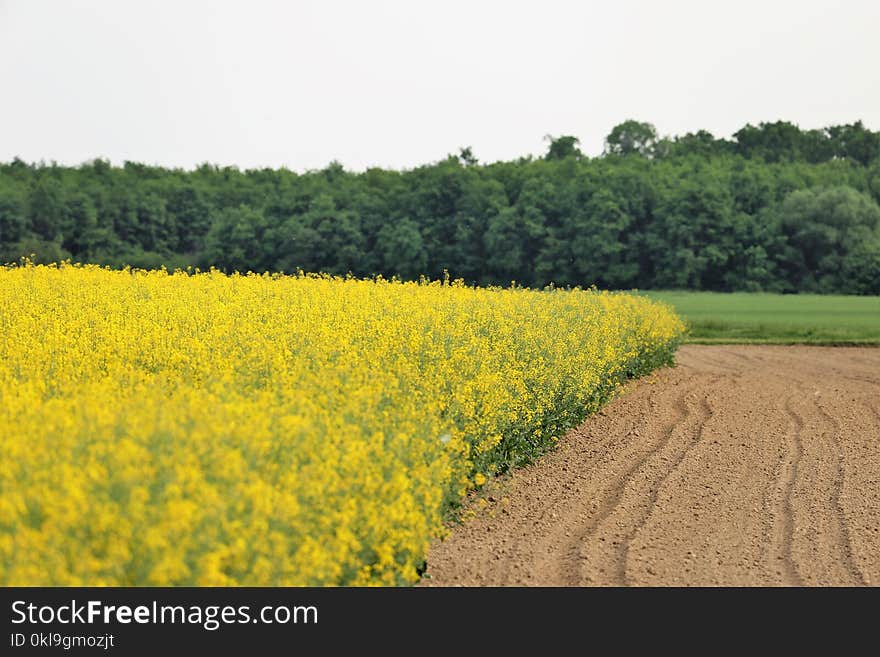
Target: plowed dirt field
[[743, 465]]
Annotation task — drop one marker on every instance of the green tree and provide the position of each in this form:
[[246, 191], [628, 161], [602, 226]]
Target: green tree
[[691, 236], [13, 221], [192, 217], [46, 207], [326, 238], [35, 248], [514, 238], [562, 147], [855, 141], [701, 143], [467, 157], [823, 228], [236, 241], [632, 138], [780, 141], [861, 267], [81, 230], [402, 250]]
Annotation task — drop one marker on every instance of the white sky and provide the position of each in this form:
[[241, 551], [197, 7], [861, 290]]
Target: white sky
[[399, 83]]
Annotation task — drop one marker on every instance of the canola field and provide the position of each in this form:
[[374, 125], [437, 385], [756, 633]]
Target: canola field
[[212, 429]]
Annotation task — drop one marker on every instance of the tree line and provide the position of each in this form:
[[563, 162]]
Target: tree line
[[774, 208]]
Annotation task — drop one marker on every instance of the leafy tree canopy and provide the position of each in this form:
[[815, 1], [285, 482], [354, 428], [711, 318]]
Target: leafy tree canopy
[[774, 208]]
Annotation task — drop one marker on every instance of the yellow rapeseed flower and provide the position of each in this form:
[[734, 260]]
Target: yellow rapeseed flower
[[174, 429]]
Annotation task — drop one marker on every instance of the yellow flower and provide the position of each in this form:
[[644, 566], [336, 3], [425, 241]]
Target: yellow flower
[[177, 429]]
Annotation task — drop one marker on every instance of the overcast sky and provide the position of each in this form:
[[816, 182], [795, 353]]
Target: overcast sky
[[400, 83]]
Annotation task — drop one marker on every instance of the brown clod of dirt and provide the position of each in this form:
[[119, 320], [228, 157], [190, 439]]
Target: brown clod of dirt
[[743, 465]]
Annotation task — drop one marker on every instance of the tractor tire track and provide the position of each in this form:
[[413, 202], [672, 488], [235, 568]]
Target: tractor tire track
[[795, 453], [612, 501]]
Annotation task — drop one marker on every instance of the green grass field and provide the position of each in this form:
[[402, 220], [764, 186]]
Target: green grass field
[[742, 317]]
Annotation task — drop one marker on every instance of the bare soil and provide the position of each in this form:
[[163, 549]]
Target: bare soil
[[743, 465]]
